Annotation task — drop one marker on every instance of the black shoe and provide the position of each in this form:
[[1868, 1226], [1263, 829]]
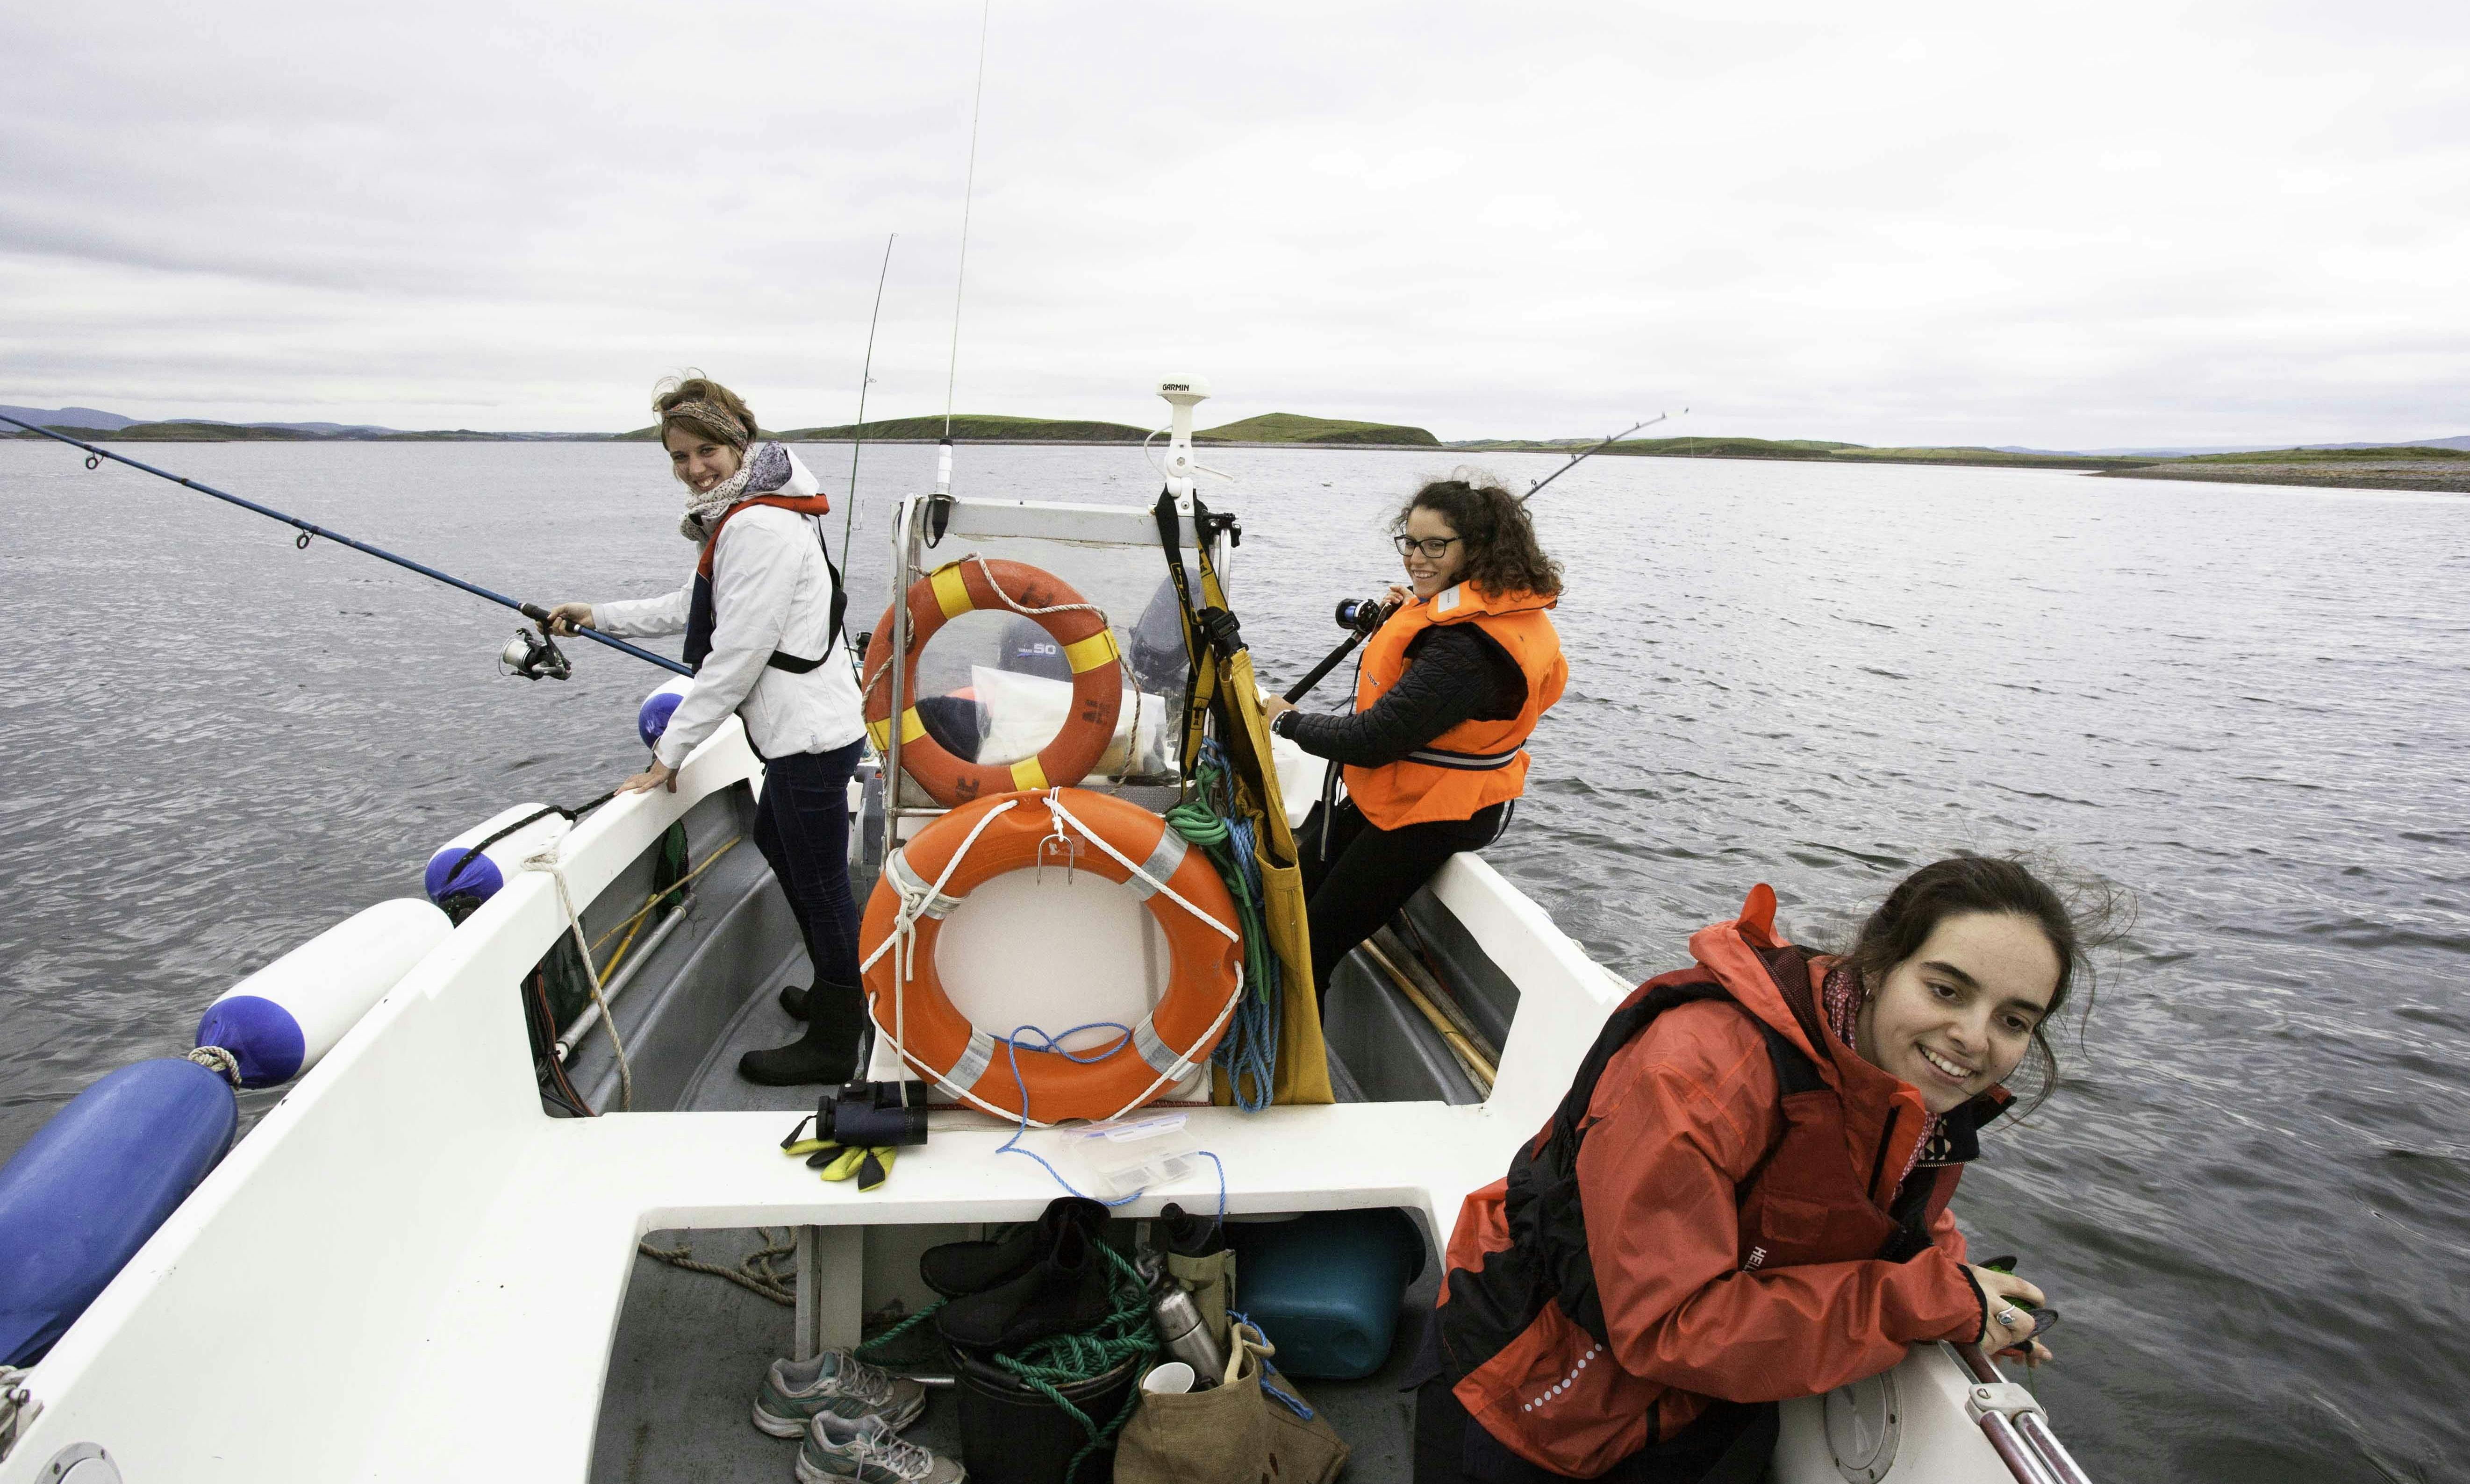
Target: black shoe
[[793, 999], [1069, 1289], [828, 1051], [958, 1269]]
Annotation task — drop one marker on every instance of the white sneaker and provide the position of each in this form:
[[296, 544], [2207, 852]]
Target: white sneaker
[[838, 1383], [837, 1451]]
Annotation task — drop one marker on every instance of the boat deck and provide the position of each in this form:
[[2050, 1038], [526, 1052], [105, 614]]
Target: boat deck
[[691, 1348]]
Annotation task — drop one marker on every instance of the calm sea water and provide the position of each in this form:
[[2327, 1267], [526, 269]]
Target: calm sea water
[[2251, 1195]]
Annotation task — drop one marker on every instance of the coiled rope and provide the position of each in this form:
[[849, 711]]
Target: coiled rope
[[1128, 1335], [1211, 819], [759, 1271]]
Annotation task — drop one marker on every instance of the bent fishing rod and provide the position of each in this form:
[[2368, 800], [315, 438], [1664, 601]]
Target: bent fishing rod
[[1365, 616], [539, 658]]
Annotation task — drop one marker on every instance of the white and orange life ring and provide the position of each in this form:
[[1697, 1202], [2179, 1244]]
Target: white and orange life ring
[[973, 584], [927, 878]]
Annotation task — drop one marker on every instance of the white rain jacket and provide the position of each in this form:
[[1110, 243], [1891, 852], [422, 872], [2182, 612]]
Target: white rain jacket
[[770, 591]]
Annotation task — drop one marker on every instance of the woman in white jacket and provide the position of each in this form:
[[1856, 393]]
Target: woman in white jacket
[[762, 618]]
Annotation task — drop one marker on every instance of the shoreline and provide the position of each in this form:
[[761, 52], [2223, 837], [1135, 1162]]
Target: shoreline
[[2365, 475]]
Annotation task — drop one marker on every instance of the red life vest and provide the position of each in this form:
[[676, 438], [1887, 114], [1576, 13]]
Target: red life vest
[[1522, 1326], [1474, 764]]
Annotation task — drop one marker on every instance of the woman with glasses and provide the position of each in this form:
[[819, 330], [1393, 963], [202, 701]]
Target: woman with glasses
[[1451, 688]]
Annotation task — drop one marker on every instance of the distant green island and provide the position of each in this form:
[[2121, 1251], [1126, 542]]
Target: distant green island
[[1812, 451], [2437, 465]]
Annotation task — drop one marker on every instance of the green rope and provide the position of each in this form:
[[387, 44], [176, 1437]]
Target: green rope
[[1128, 1332]]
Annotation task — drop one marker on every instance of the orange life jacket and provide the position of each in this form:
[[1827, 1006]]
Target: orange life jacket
[[1474, 764]]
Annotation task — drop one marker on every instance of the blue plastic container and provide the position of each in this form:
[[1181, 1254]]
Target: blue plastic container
[[1326, 1286], [84, 1194]]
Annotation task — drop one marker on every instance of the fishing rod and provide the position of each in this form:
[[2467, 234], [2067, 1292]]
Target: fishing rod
[[857, 435], [539, 657], [1364, 616], [1581, 458]]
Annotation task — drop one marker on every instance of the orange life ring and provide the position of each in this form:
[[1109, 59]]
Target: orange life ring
[[975, 1066], [975, 584]]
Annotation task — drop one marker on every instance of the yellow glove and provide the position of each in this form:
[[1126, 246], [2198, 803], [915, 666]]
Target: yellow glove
[[871, 1166]]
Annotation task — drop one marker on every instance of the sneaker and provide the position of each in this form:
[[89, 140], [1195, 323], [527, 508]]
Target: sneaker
[[866, 1452], [835, 1384]]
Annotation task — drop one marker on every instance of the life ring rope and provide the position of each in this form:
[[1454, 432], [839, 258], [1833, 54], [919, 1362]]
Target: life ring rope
[[920, 898]]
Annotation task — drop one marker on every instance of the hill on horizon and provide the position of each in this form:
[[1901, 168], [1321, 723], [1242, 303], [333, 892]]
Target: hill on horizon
[[1296, 427]]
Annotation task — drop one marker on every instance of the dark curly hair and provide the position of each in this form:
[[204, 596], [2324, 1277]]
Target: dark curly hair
[[2091, 914], [1501, 553]]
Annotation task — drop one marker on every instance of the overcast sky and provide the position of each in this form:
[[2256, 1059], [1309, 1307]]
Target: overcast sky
[[2063, 226]]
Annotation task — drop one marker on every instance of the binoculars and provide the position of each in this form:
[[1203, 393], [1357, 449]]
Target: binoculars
[[873, 1114]]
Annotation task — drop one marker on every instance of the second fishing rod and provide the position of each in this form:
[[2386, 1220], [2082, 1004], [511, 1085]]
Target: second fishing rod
[[533, 656], [1362, 617]]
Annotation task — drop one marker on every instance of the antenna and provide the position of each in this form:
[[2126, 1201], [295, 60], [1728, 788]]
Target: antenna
[[960, 275]]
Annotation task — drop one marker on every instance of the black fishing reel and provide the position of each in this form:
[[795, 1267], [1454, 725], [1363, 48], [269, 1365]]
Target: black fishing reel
[[534, 656], [1362, 616]]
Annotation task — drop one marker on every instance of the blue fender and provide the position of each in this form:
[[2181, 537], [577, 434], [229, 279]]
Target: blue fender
[[84, 1194]]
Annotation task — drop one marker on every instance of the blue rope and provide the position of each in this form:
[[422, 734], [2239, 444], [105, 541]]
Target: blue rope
[[1248, 1053], [1055, 1044]]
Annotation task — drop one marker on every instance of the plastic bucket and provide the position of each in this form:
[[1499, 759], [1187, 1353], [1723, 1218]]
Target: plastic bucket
[[1013, 1434]]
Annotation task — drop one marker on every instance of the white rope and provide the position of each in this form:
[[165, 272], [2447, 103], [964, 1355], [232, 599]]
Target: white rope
[[215, 1059], [546, 859], [1056, 806]]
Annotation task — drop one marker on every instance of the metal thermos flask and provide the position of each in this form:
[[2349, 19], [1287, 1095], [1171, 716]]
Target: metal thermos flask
[[1187, 1336]]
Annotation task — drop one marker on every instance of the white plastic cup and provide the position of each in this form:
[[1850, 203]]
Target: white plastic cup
[[1173, 1379]]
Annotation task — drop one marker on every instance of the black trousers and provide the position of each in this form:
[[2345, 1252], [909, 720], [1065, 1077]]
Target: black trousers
[[801, 828], [1731, 1443], [1370, 871]]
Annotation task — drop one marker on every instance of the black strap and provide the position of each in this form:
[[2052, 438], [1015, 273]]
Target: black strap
[[699, 644], [1171, 541]]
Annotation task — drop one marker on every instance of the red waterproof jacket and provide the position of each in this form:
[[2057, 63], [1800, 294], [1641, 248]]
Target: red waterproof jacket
[[1730, 1225]]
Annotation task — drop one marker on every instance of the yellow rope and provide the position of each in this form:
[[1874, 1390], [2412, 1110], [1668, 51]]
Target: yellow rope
[[654, 900]]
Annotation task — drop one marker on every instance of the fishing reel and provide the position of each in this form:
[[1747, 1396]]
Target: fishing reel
[[534, 656], [1362, 616]]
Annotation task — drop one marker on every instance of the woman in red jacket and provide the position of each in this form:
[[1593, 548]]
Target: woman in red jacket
[[1743, 1198]]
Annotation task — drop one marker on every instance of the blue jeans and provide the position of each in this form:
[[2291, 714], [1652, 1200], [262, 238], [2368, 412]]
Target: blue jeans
[[801, 828]]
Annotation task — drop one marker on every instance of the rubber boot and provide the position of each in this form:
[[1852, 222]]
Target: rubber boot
[[828, 1051], [1071, 1288], [957, 1268], [793, 1001]]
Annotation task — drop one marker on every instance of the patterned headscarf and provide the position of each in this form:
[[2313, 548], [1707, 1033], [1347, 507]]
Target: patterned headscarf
[[708, 417]]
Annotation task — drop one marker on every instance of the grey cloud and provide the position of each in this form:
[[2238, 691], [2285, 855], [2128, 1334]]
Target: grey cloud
[[2145, 224]]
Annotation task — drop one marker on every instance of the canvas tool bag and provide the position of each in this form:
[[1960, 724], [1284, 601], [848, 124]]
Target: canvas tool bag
[[1229, 1434]]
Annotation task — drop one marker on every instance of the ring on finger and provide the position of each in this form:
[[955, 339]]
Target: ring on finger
[[2008, 1317]]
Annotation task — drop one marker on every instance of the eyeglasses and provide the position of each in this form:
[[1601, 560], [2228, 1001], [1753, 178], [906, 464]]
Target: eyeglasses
[[1434, 548]]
